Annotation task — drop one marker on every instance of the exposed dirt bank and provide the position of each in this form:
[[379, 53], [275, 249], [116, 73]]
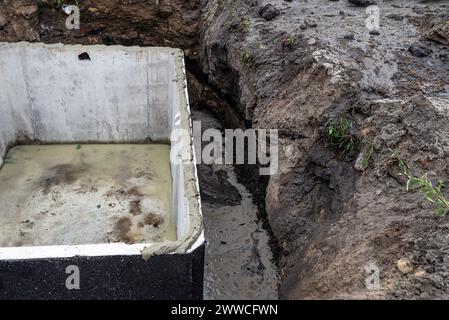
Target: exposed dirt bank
[[295, 67], [313, 62], [171, 23]]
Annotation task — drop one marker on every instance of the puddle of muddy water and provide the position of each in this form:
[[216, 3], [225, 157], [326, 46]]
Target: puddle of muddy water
[[86, 194], [239, 261]]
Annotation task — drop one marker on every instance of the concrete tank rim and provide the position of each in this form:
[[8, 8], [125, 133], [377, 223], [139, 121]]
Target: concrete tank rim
[[7, 45]]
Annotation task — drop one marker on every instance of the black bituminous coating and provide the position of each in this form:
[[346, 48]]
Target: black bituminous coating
[[166, 277]]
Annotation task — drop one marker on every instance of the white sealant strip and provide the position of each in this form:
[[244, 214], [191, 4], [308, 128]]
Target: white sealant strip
[[88, 250]]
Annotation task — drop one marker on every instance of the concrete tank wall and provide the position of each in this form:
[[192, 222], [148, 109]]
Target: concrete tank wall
[[120, 94]]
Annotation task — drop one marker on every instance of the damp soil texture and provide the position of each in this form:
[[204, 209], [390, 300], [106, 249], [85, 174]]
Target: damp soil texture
[[85, 194]]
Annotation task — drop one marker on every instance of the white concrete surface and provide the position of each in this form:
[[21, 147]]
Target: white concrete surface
[[122, 94]]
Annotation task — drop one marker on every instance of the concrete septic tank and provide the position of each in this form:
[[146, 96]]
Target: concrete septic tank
[[99, 195]]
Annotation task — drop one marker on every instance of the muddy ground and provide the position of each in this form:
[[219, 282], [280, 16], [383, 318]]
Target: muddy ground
[[298, 66], [239, 260]]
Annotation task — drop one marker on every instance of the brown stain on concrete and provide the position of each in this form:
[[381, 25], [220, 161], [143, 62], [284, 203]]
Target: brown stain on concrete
[[152, 219], [61, 174], [123, 228], [135, 207]]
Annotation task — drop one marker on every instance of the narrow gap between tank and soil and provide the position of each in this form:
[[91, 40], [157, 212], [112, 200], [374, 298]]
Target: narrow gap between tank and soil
[[247, 175]]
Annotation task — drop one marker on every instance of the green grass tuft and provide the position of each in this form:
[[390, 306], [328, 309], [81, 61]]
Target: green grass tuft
[[247, 58], [431, 191], [339, 133], [367, 154]]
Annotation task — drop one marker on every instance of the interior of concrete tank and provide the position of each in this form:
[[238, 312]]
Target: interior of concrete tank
[[86, 194]]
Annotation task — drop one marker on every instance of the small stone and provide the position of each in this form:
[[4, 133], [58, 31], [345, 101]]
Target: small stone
[[419, 50], [405, 266], [440, 33], [349, 36], [311, 23], [311, 41], [420, 273], [395, 16], [362, 3], [269, 12]]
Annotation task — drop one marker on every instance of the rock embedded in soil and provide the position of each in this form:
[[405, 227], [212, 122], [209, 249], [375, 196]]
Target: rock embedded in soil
[[311, 23], [349, 36], [269, 12], [395, 16], [362, 3], [405, 266], [440, 33], [419, 50], [420, 273]]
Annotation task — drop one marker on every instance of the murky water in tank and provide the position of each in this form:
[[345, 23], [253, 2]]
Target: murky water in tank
[[85, 194]]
